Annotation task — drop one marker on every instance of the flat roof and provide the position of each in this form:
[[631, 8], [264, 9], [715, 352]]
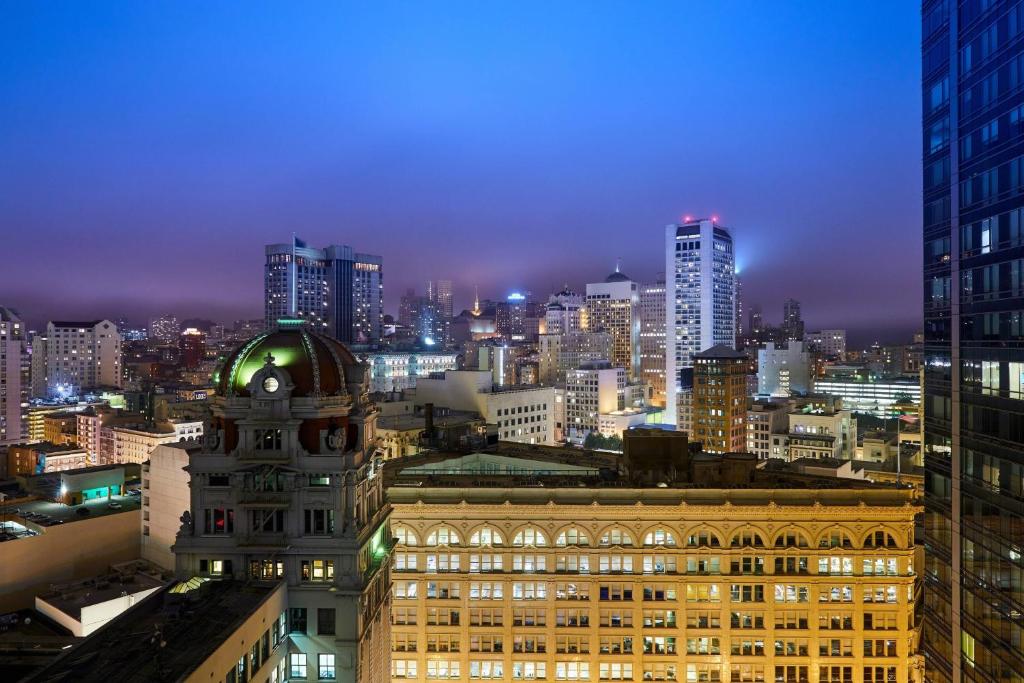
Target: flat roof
[[588, 477], [68, 514], [191, 626], [131, 578]]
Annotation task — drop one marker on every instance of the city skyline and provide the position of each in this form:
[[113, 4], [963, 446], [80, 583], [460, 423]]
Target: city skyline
[[437, 138]]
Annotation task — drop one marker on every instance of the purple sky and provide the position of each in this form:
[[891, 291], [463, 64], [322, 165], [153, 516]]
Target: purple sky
[[152, 149]]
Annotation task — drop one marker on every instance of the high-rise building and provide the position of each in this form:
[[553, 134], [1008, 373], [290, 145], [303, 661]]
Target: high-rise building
[[739, 329], [439, 296], [973, 119], [559, 353], [720, 399], [613, 306], [792, 322], [441, 292], [165, 328], [192, 344], [408, 304], [81, 355], [652, 340], [336, 290], [14, 377], [518, 317], [564, 311], [700, 296], [756, 325]]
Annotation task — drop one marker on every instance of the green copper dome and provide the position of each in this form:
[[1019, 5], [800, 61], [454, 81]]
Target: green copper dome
[[317, 364]]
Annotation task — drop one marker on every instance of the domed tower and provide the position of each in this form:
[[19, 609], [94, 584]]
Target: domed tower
[[286, 488]]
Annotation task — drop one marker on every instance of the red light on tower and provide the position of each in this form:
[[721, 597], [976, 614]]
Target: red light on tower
[[687, 219], [714, 219]]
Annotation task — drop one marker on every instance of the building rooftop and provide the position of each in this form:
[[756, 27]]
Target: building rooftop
[[48, 447], [530, 474], [722, 351], [75, 323], [163, 638], [131, 577], [28, 641]]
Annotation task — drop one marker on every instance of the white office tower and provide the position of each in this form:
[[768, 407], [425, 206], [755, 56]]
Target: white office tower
[[700, 296]]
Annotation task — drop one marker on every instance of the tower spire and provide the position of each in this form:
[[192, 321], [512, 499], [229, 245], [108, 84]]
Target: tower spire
[[476, 300]]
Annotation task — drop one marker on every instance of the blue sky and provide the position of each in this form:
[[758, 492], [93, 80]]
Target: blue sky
[[151, 149]]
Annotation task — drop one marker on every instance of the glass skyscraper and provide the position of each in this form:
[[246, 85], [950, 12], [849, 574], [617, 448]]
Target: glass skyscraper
[[973, 151]]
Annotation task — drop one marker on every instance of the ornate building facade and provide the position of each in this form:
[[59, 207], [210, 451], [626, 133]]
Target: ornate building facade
[[285, 489], [520, 569]]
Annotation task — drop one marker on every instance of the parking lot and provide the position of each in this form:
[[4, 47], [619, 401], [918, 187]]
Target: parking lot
[[46, 513]]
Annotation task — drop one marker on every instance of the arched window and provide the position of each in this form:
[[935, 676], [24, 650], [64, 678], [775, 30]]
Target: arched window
[[747, 539], [405, 535], [791, 539], [703, 539], [530, 536], [660, 537], [835, 539], [616, 537], [486, 536], [443, 536], [573, 536], [880, 539]]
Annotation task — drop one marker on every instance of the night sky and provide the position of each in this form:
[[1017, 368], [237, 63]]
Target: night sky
[[151, 149]]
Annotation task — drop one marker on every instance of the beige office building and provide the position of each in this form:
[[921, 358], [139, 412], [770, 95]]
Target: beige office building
[[613, 306], [578, 577]]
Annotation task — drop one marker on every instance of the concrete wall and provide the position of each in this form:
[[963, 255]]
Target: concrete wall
[[66, 552], [165, 496]]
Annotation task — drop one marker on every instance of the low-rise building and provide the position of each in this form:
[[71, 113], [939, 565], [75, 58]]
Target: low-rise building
[[85, 606], [765, 419], [618, 421], [882, 397], [404, 435], [399, 370], [521, 414], [43, 457], [822, 434]]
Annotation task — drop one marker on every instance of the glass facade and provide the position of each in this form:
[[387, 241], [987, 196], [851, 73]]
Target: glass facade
[[973, 158]]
